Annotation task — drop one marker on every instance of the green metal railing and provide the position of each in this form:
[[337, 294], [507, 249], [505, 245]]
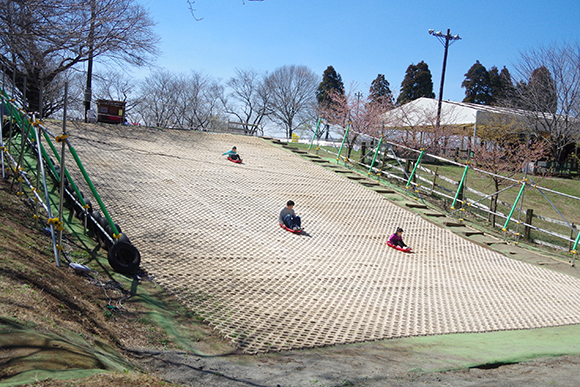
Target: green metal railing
[[30, 130]]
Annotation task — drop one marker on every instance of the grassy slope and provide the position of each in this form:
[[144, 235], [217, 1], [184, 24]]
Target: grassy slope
[[57, 324]]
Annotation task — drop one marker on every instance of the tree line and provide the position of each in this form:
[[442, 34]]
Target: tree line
[[47, 43]]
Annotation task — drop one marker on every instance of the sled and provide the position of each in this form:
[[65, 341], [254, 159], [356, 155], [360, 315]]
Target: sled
[[289, 229], [238, 161], [403, 249]]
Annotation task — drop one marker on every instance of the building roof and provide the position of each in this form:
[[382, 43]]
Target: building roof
[[423, 112]]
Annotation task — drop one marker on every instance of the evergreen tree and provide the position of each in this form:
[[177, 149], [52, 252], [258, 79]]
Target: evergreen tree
[[416, 84], [502, 88], [539, 93], [331, 80], [542, 89], [380, 91], [477, 84]]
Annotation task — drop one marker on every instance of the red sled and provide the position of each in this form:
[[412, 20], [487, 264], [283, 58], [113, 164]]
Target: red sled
[[403, 249], [289, 229], [238, 161]]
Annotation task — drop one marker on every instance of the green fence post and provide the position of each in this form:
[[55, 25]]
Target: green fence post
[[315, 133], [93, 189], [514, 206], [576, 244], [415, 168], [460, 186], [342, 144], [375, 156], [70, 179]]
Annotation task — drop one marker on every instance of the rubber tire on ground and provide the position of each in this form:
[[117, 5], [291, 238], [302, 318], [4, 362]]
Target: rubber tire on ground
[[92, 223], [106, 242], [122, 238], [80, 211], [56, 178], [101, 237], [124, 257], [68, 202]]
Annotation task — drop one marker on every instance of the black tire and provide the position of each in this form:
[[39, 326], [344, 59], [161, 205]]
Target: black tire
[[110, 231], [80, 211], [124, 257], [68, 202], [92, 223], [107, 242], [122, 238], [101, 237], [56, 178]]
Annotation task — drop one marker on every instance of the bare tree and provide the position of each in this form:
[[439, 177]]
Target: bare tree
[[190, 4], [550, 92], [505, 150], [159, 98], [365, 116], [251, 97], [293, 96], [116, 86], [42, 38], [202, 102], [171, 100]]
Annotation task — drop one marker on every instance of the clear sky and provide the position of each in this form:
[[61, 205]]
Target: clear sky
[[360, 38]]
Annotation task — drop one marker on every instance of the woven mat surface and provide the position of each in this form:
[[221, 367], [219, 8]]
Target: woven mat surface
[[207, 228]]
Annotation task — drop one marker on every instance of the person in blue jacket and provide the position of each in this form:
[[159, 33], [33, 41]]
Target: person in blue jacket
[[233, 154]]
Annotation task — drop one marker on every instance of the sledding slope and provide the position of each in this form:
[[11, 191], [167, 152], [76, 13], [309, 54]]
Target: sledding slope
[[207, 229]]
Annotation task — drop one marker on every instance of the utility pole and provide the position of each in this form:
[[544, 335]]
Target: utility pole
[[358, 96], [446, 40], [88, 91]]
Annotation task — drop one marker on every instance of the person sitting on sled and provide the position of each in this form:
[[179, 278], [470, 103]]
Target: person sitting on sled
[[397, 238], [233, 154], [289, 218]]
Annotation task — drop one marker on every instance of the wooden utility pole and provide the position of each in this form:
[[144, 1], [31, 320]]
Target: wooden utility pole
[[88, 90]]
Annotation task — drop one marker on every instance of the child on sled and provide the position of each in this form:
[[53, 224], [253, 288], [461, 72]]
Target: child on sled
[[397, 239], [288, 217], [233, 154]]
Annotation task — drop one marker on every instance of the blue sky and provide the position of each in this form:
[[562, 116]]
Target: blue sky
[[360, 38]]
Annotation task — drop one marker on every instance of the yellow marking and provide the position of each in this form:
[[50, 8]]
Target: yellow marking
[[61, 138]]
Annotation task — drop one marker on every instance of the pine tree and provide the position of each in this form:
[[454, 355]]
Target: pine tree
[[477, 84], [539, 94], [331, 80], [502, 88], [380, 91], [543, 89], [416, 84]]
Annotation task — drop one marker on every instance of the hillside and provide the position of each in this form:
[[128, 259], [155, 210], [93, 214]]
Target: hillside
[[54, 319], [207, 232]]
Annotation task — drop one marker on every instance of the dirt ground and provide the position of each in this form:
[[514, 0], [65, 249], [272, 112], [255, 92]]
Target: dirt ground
[[141, 336], [372, 366]]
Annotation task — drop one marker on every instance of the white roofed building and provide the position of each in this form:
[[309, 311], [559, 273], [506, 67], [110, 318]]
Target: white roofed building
[[468, 121]]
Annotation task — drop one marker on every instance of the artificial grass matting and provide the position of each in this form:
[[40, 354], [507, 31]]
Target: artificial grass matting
[[468, 350], [428, 353]]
